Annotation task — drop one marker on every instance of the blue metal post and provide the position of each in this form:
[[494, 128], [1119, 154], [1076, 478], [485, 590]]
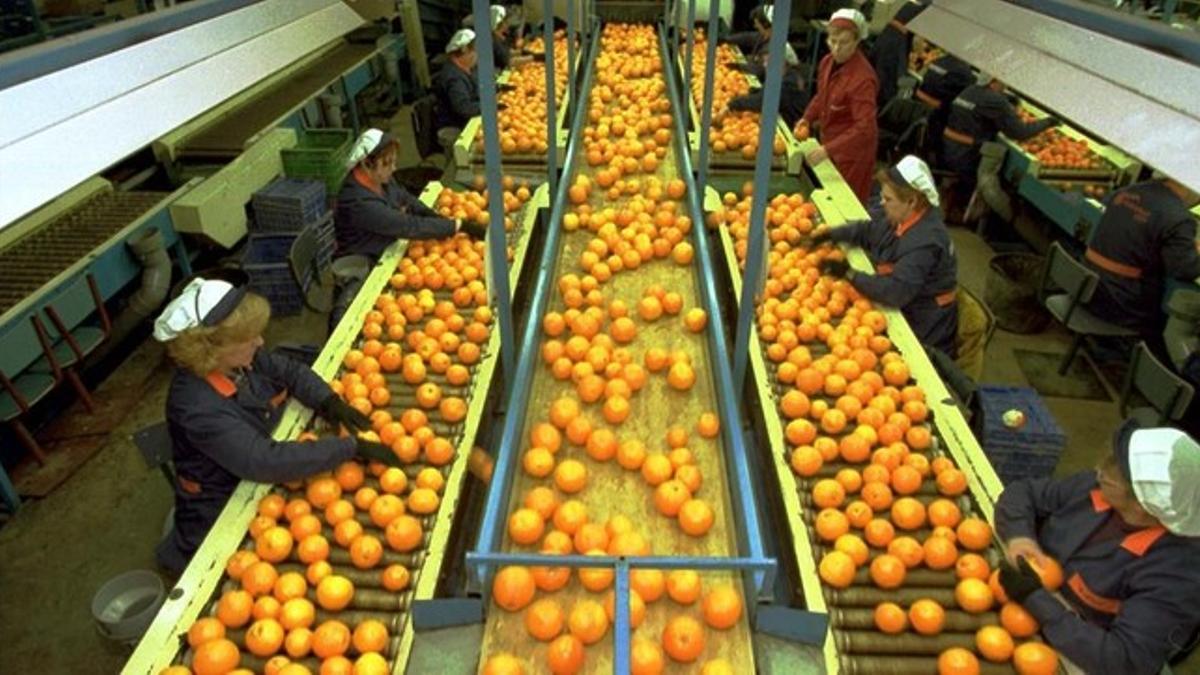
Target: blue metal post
[[621, 627], [710, 68], [571, 50], [752, 277], [497, 245], [551, 107], [691, 45]]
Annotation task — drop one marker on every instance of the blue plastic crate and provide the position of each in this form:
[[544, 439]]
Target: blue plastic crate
[[1030, 451], [265, 260], [288, 204]]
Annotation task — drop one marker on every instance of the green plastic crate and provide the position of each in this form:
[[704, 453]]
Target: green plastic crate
[[320, 154]]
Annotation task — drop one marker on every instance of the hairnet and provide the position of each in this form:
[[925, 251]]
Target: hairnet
[[914, 172], [850, 18], [497, 14], [1164, 470], [461, 38], [203, 302], [369, 142]]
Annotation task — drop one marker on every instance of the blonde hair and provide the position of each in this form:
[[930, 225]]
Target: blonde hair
[[199, 349], [906, 193]]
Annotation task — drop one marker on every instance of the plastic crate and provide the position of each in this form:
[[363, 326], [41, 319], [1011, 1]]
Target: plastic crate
[[1031, 451], [288, 204], [320, 154], [265, 260]]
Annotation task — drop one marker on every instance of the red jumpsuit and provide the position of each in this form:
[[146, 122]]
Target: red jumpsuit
[[844, 112]]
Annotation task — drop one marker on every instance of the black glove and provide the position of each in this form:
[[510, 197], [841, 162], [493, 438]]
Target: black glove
[[834, 268], [337, 411], [473, 230], [504, 86], [1052, 121], [819, 238], [377, 452], [1019, 582], [501, 106]]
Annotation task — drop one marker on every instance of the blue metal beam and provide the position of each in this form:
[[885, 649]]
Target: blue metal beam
[[710, 68], [551, 104]]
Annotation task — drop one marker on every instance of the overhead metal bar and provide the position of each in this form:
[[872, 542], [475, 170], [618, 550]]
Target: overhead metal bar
[[1154, 35], [551, 104], [1136, 99], [96, 124], [497, 246], [571, 27], [756, 254], [691, 45], [710, 69]]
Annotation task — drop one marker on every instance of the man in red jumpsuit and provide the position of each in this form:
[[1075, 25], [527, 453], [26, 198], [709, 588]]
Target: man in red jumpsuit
[[843, 110]]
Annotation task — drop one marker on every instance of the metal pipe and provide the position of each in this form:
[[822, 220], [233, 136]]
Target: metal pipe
[[156, 283], [570, 49], [691, 45], [551, 104], [710, 67], [621, 628], [752, 278]]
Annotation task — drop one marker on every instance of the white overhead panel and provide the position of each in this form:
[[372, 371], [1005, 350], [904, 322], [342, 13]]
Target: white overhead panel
[[76, 122], [1136, 99]]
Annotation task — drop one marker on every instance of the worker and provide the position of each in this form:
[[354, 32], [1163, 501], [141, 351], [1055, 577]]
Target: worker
[[747, 41], [970, 148], [1127, 536], [843, 109], [502, 39], [224, 401], [889, 57], [792, 97], [456, 88], [373, 211], [756, 57], [1145, 238], [914, 259], [945, 79]]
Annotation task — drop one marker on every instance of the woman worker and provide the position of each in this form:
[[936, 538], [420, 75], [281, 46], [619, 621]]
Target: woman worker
[[792, 97], [225, 398], [843, 109], [915, 266], [1127, 536], [373, 211]]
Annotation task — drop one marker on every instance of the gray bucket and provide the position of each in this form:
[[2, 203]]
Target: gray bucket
[[125, 605], [351, 268], [1011, 292]]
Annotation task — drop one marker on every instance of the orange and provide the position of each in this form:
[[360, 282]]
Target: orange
[[587, 621], [331, 638], [794, 404], [850, 479], [973, 595], [669, 497], [957, 661], [239, 562], [831, 524], [645, 657], [259, 578], [806, 461], [681, 377], [940, 553], [216, 657], [322, 491], [997, 589], [877, 495], [637, 607], [204, 630], [525, 526], [297, 613], [298, 643], [837, 569], [423, 501], [503, 664], [927, 617], [1017, 620], [335, 592], [942, 512], [544, 620], [590, 536], [951, 482], [879, 533], [274, 544], [683, 586], [656, 469], [717, 667], [290, 585], [631, 454], [393, 481], [994, 643], [266, 607], [890, 618], [565, 655], [395, 578], [683, 639], [722, 607], [907, 550], [404, 533], [708, 426], [905, 480], [888, 571], [972, 566], [695, 319], [695, 517], [542, 500], [235, 607], [570, 517], [828, 493], [1035, 658], [602, 443], [974, 534], [264, 637], [853, 545], [908, 513], [649, 584], [366, 552], [1049, 570], [371, 663], [538, 462], [513, 588], [570, 476], [562, 411]]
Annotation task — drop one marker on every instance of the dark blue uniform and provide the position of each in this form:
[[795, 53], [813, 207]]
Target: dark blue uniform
[[221, 434], [792, 99], [1145, 237], [501, 52], [1135, 592], [915, 271], [945, 79], [889, 57], [457, 94], [368, 221], [976, 116]]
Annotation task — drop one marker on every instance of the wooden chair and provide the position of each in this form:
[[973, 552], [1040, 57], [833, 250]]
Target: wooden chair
[[74, 337], [1066, 286], [1168, 393]]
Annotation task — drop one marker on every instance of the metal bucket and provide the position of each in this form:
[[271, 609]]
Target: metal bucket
[[125, 606], [1011, 292]]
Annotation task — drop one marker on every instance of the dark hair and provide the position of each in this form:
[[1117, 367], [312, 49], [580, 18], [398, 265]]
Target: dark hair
[[759, 15], [380, 154], [905, 191]]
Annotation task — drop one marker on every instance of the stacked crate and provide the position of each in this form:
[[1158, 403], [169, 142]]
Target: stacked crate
[[283, 211]]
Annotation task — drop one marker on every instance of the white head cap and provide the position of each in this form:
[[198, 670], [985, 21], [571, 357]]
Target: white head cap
[[497, 13], [460, 39], [203, 302], [789, 55], [914, 172], [850, 18], [769, 12], [1164, 469], [368, 142]]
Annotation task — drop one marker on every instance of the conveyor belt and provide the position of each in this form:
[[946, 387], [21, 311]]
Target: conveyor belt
[[37, 258], [227, 136]]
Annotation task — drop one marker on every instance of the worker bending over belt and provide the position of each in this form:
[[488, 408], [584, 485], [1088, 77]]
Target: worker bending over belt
[[1145, 237], [792, 98], [915, 266], [889, 57], [1126, 537], [456, 86], [225, 398], [970, 148], [945, 79]]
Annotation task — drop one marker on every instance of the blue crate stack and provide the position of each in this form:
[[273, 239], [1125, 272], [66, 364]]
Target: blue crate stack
[[283, 210], [1030, 451]]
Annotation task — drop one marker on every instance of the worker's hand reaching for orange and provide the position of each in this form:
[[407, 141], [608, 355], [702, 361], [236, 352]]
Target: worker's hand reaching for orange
[[1023, 547]]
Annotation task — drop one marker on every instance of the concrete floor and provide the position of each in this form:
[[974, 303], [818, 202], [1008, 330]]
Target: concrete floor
[[108, 516]]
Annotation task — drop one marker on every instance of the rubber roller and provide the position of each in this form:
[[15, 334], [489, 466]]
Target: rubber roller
[[957, 622], [917, 579], [862, 596], [906, 665], [393, 620], [875, 642]]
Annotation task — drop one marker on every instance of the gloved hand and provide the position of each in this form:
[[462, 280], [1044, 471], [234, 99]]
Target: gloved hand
[[1019, 582], [504, 86], [473, 230], [501, 106], [1053, 121], [377, 452], [834, 268], [822, 237], [333, 409]]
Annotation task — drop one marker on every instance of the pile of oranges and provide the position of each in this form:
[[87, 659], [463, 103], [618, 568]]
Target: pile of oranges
[[623, 217], [473, 204], [878, 496], [409, 373], [1056, 150], [735, 131], [522, 121]]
